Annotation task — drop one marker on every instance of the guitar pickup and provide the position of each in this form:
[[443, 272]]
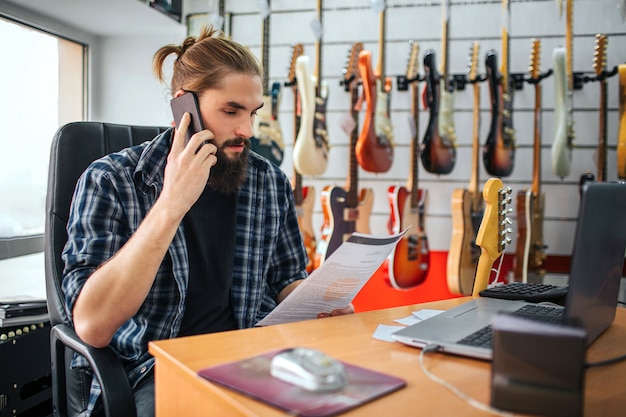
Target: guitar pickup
[[350, 214]]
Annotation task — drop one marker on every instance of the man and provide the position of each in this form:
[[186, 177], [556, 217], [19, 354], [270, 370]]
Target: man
[[168, 239]]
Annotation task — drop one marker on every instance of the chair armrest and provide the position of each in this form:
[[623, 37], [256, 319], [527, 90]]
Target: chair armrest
[[117, 395]]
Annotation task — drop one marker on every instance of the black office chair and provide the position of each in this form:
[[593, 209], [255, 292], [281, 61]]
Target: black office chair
[[74, 147]]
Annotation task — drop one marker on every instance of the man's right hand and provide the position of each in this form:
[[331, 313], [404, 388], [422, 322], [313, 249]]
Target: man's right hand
[[188, 167]]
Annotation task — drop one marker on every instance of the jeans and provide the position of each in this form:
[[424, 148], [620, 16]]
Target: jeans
[[144, 398]]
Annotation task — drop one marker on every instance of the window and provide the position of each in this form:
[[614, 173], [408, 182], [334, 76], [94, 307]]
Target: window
[[43, 84]]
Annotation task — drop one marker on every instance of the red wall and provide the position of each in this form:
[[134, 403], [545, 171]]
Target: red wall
[[378, 293]]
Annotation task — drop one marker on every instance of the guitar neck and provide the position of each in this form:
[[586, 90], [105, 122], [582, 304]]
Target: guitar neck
[[297, 177], [445, 20], [569, 43], [412, 182], [504, 69], [602, 145], [473, 183], [318, 50], [352, 186], [380, 68], [265, 54]]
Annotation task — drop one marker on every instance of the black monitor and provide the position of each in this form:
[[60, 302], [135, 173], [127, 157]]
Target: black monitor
[[171, 8]]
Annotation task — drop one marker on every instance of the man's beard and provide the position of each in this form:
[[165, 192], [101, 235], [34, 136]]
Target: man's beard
[[228, 175]]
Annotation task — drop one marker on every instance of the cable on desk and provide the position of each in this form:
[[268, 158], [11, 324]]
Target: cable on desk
[[471, 401], [605, 362]]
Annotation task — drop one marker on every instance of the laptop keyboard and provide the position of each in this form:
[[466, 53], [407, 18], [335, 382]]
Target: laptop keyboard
[[547, 314]]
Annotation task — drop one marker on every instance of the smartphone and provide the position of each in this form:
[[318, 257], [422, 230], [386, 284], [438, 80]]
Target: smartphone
[[187, 102]]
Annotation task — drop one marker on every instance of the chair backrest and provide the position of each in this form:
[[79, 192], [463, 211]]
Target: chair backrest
[[74, 147]]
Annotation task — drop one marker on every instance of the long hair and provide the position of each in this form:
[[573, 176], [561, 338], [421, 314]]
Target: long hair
[[203, 62]]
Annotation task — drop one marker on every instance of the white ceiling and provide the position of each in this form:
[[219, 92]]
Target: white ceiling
[[104, 17]]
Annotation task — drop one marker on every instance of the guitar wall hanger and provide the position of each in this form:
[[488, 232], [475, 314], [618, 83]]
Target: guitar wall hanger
[[520, 79], [580, 78], [459, 81], [403, 82]]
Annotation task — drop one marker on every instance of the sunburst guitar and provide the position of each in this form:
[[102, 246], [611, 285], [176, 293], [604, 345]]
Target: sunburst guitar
[[438, 149], [499, 148], [493, 232], [410, 260]]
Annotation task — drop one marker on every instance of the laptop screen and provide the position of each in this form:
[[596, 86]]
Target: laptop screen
[[597, 256]]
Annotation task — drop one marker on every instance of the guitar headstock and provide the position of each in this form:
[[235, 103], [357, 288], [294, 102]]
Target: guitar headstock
[[298, 49], [599, 56], [492, 234], [412, 69], [534, 66], [473, 61], [351, 70]]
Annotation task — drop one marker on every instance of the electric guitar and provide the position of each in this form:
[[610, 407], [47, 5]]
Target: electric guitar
[[599, 66], [467, 206], [561, 151], [268, 136], [621, 141], [409, 261], [438, 150], [499, 149], [374, 148], [345, 209], [310, 152], [304, 195], [530, 254], [492, 234]]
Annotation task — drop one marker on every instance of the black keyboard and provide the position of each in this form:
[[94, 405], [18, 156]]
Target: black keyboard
[[526, 291], [547, 314]]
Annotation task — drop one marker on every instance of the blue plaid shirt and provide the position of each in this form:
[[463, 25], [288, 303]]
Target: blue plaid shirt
[[114, 195]]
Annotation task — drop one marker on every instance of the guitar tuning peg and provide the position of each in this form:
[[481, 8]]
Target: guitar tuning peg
[[505, 241], [507, 220], [506, 231]]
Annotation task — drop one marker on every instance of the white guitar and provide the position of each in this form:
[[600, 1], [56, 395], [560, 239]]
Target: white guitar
[[309, 157], [560, 149], [564, 79]]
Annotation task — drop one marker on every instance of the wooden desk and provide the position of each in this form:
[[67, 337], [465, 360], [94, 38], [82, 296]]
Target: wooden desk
[[180, 392]]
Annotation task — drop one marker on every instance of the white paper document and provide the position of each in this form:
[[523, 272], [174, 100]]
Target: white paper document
[[336, 282]]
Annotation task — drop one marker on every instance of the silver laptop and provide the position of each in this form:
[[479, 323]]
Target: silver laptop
[[595, 275]]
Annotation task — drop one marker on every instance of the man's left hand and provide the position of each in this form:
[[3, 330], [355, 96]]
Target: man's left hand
[[337, 312]]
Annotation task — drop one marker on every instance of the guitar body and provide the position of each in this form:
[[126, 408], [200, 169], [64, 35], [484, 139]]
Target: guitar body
[[305, 221], [438, 150], [410, 260], [374, 150], [268, 136], [340, 221], [499, 149], [560, 152], [310, 156], [621, 141], [464, 252], [530, 249]]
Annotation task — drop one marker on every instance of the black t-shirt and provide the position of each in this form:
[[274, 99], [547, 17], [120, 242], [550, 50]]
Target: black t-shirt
[[210, 234]]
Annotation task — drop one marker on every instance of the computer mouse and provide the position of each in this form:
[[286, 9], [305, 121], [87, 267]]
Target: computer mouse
[[309, 369]]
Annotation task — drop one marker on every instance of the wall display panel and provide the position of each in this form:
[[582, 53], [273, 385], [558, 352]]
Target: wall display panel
[[346, 22]]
